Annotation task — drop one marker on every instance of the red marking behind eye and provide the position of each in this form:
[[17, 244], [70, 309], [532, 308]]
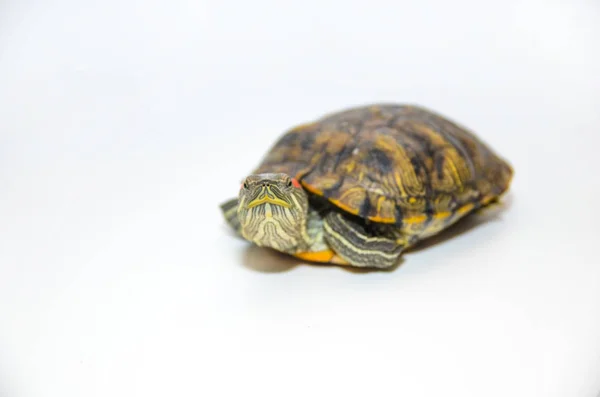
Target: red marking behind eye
[[296, 183]]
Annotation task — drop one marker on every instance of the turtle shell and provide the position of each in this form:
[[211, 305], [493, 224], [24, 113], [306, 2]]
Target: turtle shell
[[391, 163]]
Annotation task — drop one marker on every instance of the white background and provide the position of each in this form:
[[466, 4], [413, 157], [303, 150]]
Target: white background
[[123, 124]]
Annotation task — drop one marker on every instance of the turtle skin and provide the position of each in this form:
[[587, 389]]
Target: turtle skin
[[401, 165]]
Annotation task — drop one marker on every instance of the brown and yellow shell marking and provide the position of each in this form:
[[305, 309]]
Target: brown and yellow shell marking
[[392, 164]]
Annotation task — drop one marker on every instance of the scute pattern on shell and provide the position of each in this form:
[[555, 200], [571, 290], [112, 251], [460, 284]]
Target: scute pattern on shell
[[392, 164]]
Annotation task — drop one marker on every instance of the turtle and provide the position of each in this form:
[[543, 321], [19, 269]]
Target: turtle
[[361, 185]]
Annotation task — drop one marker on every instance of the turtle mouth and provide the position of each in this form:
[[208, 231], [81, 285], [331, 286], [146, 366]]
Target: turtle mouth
[[268, 200]]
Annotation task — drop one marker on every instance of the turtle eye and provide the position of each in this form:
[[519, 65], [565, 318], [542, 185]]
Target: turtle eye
[[245, 185], [290, 183]]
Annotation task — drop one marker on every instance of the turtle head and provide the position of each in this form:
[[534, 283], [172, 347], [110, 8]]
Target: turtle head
[[272, 210]]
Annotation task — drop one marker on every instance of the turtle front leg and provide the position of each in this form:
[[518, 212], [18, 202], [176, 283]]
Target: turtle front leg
[[229, 209], [359, 247]]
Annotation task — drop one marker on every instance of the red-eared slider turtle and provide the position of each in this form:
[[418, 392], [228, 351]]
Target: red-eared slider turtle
[[359, 186]]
